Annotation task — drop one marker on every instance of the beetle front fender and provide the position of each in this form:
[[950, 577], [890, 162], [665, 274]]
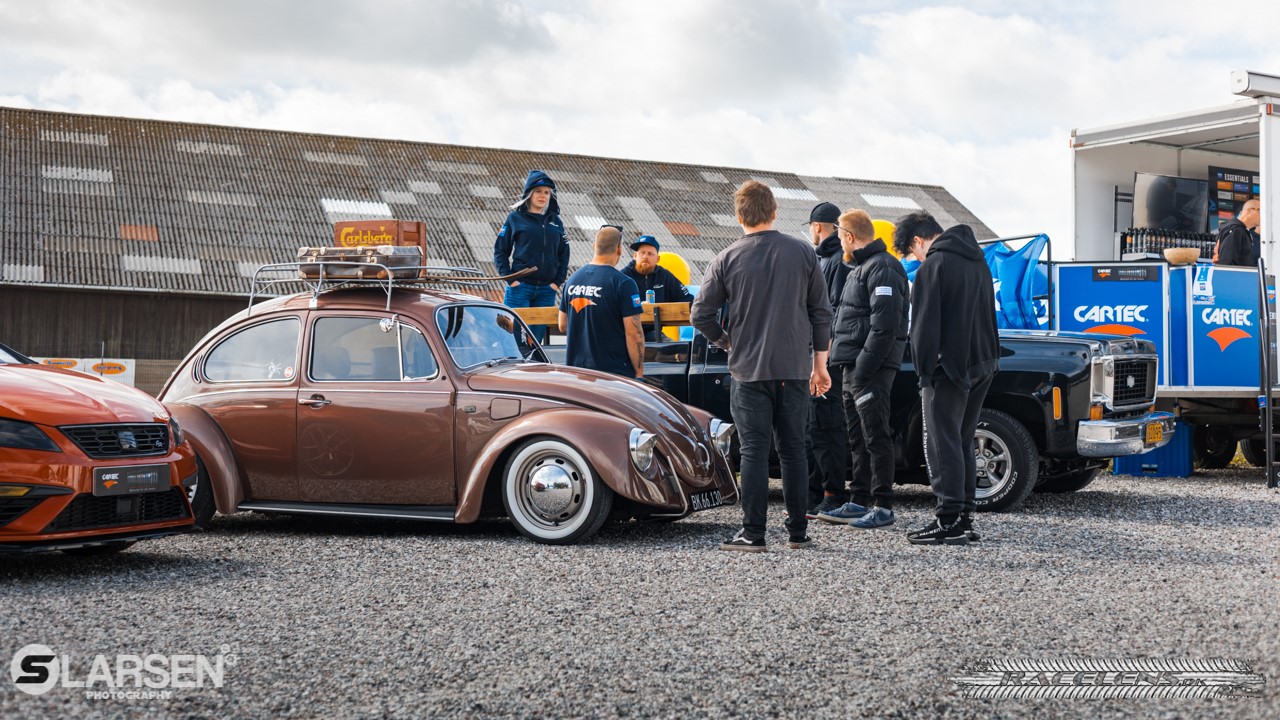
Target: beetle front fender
[[215, 451], [601, 439]]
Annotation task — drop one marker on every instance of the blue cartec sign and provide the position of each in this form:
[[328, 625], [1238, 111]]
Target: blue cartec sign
[[1115, 299]]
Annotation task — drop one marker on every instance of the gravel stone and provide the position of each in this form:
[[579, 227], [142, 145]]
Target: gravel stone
[[357, 619]]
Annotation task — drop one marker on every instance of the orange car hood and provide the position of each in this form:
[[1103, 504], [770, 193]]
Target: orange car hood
[[52, 396]]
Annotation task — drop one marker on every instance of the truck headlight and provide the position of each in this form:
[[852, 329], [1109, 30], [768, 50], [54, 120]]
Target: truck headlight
[[722, 435], [641, 444]]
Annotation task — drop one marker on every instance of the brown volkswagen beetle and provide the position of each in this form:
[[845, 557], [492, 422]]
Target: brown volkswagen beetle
[[408, 402]]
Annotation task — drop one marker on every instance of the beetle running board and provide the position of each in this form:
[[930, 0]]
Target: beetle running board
[[434, 513]]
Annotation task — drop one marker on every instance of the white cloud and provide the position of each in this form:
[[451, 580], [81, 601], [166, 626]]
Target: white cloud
[[979, 100]]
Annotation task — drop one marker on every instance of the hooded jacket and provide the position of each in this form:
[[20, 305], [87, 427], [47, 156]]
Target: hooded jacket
[[1236, 245], [533, 240], [871, 322], [834, 271], [953, 317]]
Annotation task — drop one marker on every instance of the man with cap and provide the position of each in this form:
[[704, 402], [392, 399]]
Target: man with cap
[[533, 236], [649, 275], [827, 435]]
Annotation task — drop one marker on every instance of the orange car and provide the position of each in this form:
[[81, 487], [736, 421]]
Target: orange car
[[87, 465]]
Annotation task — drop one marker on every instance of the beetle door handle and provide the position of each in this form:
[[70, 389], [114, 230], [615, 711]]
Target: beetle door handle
[[316, 401]]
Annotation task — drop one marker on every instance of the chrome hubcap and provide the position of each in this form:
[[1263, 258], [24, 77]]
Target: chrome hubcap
[[550, 489], [994, 463]]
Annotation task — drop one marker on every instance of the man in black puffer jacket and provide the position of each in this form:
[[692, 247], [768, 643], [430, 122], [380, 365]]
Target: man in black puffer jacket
[[955, 348], [870, 338], [1237, 244]]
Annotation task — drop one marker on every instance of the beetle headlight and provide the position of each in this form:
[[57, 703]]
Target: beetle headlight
[[25, 436], [641, 444], [722, 435]]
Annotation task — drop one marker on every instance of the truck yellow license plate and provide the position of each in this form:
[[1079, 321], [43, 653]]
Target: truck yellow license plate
[[1155, 432]]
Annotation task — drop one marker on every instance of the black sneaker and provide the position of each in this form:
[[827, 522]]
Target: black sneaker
[[743, 543], [966, 524], [795, 543], [939, 533], [829, 503]]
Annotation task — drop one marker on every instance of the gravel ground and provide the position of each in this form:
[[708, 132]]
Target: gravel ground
[[341, 619]]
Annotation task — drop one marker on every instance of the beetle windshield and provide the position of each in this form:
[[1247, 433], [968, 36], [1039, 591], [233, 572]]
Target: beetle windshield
[[9, 356], [479, 334]]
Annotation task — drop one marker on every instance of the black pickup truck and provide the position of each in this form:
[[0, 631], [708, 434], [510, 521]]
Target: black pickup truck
[[1060, 407]]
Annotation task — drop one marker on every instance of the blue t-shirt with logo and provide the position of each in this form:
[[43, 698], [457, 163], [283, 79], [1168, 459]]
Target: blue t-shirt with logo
[[597, 298]]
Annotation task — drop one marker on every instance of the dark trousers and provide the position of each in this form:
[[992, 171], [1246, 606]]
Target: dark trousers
[[828, 441], [866, 407], [950, 423], [761, 409]]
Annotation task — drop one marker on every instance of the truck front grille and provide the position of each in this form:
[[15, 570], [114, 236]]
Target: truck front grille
[[1133, 382]]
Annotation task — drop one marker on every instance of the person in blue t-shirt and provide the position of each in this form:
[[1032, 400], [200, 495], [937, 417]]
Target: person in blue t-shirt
[[600, 313]]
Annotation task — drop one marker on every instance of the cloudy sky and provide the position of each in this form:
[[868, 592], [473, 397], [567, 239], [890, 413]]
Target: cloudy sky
[[977, 96]]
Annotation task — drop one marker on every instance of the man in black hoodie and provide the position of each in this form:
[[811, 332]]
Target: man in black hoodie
[[826, 441], [956, 350], [1236, 242]]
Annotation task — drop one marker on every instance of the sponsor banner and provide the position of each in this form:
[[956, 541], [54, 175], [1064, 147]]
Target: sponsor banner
[[1223, 328], [1114, 299], [122, 370]]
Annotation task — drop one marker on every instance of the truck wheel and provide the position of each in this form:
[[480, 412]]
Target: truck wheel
[[552, 494], [1255, 451], [1213, 446], [1008, 461], [1070, 482]]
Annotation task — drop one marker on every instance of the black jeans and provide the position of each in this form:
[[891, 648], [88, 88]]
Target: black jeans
[[950, 423], [760, 409], [866, 406], [828, 441]]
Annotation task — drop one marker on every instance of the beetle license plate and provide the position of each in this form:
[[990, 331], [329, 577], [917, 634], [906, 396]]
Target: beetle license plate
[[1155, 432], [705, 500], [130, 480]]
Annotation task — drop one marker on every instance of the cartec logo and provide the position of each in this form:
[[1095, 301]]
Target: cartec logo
[[1112, 318], [108, 368], [60, 362], [1229, 322]]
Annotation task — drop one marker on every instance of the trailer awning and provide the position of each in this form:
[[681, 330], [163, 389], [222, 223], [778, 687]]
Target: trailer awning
[[1231, 129]]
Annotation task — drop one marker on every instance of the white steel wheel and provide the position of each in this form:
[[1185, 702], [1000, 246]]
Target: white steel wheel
[[552, 494]]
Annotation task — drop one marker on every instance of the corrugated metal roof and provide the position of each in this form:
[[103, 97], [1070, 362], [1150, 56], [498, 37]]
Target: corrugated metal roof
[[126, 204]]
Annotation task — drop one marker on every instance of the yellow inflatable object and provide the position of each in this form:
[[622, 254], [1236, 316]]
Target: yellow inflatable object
[[884, 231], [679, 267]]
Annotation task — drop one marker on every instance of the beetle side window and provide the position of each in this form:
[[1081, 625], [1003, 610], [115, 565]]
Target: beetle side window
[[264, 352], [368, 349]]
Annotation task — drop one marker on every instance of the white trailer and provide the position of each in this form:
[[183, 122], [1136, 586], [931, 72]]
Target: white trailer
[[1243, 135]]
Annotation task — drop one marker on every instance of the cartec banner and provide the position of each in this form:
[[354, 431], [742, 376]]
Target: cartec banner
[[1222, 327], [1114, 299]]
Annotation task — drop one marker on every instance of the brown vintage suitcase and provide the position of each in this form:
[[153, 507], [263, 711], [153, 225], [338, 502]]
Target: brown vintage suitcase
[[369, 233], [403, 262]]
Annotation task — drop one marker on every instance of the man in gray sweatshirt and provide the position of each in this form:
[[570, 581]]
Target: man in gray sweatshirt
[[777, 333]]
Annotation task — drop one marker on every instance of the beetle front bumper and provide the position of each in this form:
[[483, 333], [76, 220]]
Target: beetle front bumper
[[1131, 436]]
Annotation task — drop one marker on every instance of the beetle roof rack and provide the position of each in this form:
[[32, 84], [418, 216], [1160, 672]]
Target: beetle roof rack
[[269, 276]]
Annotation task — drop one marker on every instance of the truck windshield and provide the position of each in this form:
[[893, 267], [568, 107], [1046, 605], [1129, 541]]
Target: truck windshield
[[479, 334]]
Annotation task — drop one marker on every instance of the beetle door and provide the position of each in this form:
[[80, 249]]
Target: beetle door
[[375, 415]]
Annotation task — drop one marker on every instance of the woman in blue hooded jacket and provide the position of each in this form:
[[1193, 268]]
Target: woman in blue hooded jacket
[[533, 236]]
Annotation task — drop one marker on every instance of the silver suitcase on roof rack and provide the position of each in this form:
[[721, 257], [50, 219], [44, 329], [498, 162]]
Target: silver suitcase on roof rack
[[360, 263]]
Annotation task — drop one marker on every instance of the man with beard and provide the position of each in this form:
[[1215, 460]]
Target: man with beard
[[649, 275]]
